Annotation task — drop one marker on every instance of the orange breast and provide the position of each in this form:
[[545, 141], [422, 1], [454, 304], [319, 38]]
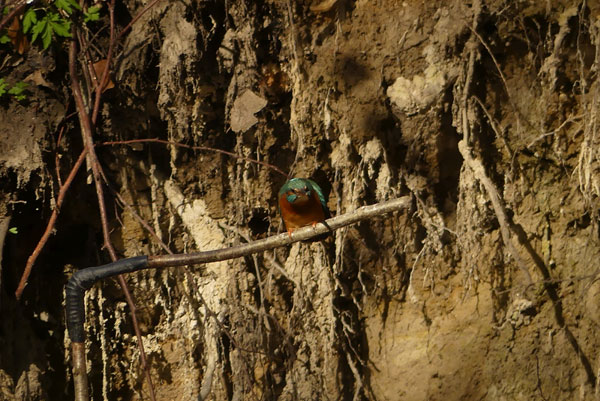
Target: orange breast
[[296, 216]]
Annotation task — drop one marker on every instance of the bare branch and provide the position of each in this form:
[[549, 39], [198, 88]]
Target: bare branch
[[205, 148], [50, 226], [133, 21], [86, 127], [301, 234], [19, 5], [101, 82]]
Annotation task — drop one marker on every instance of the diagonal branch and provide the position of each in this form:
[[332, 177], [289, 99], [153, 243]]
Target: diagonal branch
[[50, 226], [302, 234], [19, 6], [134, 20], [497, 203], [101, 81], [508, 228], [86, 127]]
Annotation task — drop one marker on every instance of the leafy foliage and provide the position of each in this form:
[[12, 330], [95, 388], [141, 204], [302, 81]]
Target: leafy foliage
[[48, 21], [52, 23], [17, 91], [3, 86], [92, 14], [67, 5]]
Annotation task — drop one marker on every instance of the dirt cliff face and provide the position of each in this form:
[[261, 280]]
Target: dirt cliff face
[[484, 113]]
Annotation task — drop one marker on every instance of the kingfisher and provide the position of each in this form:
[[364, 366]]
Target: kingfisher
[[302, 203]]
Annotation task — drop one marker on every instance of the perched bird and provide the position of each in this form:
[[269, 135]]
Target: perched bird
[[302, 203]]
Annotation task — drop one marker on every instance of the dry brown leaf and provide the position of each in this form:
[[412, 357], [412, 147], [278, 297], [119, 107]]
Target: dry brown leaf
[[99, 68], [38, 79], [17, 38]]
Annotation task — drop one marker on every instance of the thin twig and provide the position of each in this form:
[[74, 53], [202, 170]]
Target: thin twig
[[205, 148], [483, 42], [133, 21], [499, 132], [556, 130], [50, 226], [13, 13], [85, 53], [269, 258], [57, 158], [80, 377], [142, 222], [102, 81]]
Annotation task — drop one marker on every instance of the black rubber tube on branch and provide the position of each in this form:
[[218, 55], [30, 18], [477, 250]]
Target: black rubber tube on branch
[[83, 280]]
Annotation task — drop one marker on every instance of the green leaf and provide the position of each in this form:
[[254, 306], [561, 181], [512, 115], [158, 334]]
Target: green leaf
[[29, 19], [62, 28], [47, 36], [3, 86], [67, 5], [54, 17], [92, 14], [18, 88], [39, 28], [4, 39], [13, 230], [18, 91]]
